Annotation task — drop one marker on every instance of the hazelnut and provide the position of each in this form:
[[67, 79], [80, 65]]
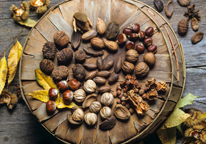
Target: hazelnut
[[142, 69], [46, 66], [79, 95], [95, 107], [49, 50], [68, 96], [90, 118], [140, 48], [152, 48], [135, 27], [61, 39], [148, 41], [80, 56], [134, 36], [78, 115], [107, 99], [50, 107], [127, 67], [79, 71], [74, 84], [97, 43], [131, 55], [127, 31], [62, 85], [149, 31], [130, 45], [90, 86], [141, 35], [105, 112], [60, 73], [53, 93], [150, 58], [122, 38], [65, 56]]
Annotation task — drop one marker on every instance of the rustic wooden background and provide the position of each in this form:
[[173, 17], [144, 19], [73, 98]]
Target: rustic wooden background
[[19, 126]]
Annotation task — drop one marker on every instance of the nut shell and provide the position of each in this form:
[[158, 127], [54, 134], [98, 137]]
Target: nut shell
[[142, 69], [65, 56], [77, 117], [149, 31], [79, 71], [101, 26], [79, 95], [90, 118], [80, 56], [108, 124], [107, 99], [61, 39], [47, 66], [121, 112], [60, 73], [183, 27], [89, 35], [130, 45], [111, 45], [90, 86], [122, 38], [53, 93], [152, 48], [95, 107], [141, 35], [148, 41], [97, 43], [112, 30], [89, 99], [127, 67], [49, 50], [105, 112], [131, 55], [150, 58], [62, 85]]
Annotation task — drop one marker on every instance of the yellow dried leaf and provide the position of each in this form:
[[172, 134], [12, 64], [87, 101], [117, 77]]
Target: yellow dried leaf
[[41, 95], [167, 136], [13, 60], [43, 80], [3, 73], [29, 22], [188, 99], [60, 103]]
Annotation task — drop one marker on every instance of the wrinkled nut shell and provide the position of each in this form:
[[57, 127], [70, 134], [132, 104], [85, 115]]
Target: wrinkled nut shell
[[97, 43], [197, 37], [142, 69], [127, 67], [131, 55], [80, 55], [61, 39], [89, 35], [101, 27], [111, 45], [108, 124]]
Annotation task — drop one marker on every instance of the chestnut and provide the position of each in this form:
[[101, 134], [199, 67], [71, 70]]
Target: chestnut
[[62, 85], [135, 27], [50, 107], [122, 38], [53, 93], [74, 84], [140, 48], [68, 96], [134, 36], [152, 48], [141, 35], [130, 45], [127, 31], [149, 31], [148, 41]]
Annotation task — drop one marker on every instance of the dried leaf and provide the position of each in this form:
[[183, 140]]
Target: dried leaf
[[41, 95], [167, 136], [188, 99], [204, 117], [29, 22], [13, 59], [43, 80], [3, 73], [60, 103]]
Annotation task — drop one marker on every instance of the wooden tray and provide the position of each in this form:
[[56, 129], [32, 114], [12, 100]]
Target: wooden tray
[[124, 12]]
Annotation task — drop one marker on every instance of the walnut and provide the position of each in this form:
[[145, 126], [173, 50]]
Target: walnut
[[127, 67], [59, 73], [49, 50], [79, 71], [40, 6], [65, 56], [131, 55], [161, 86], [152, 94], [46, 66], [142, 69], [80, 56], [61, 39]]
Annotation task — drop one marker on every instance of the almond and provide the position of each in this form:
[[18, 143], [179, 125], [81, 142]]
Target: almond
[[111, 45], [97, 43], [101, 27]]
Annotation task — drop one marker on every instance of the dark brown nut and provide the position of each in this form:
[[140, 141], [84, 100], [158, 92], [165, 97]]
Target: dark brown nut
[[118, 65], [122, 38], [79, 71], [108, 65], [141, 35], [93, 52], [90, 66], [135, 27], [183, 27], [64, 56], [131, 55], [61, 39], [152, 48], [99, 80], [46, 66], [140, 48], [197, 37], [62, 85], [76, 39], [127, 67], [53, 93], [184, 2], [50, 107], [148, 41], [60, 73], [97, 43], [104, 89], [80, 56], [142, 69], [127, 31], [130, 45], [133, 36], [89, 35], [112, 30], [74, 84], [149, 31], [68, 96], [49, 50], [99, 63], [159, 5], [113, 78], [108, 124], [103, 73], [90, 75]]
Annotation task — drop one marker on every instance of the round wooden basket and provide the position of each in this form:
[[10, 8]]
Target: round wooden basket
[[169, 67]]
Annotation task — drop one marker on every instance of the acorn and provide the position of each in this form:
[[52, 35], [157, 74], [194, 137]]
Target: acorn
[[53, 93], [74, 84], [50, 107], [62, 85], [68, 96]]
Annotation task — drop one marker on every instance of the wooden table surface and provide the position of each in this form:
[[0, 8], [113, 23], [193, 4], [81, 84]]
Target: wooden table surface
[[19, 126]]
